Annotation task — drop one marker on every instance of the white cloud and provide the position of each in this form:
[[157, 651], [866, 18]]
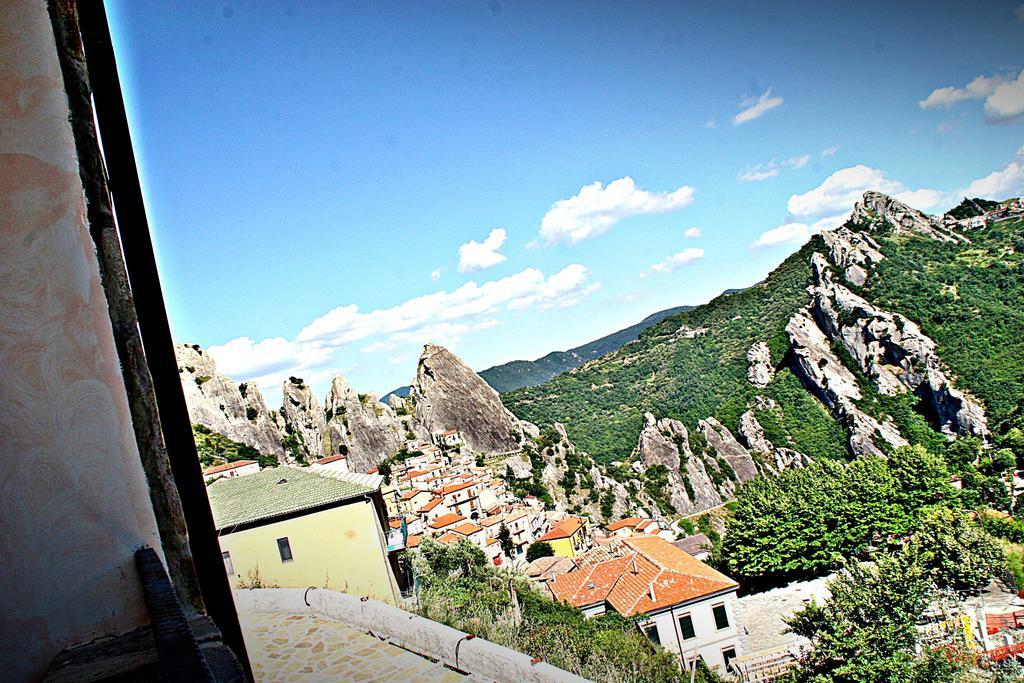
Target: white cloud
[[998, 185], [787, 233], [686, 257], [829, 204], [347, 324], [1003, 95], [711, 123], [435, 274], [270, 361], [692, 232], [770, 169], [829, 151], [443, 317], [838, 193], [796, 232], [1006, 103], [597, 208], [474, 256], [756, 107], [1019, 13]]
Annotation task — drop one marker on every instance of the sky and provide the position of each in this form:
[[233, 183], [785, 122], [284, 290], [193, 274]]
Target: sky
[[333, 185]]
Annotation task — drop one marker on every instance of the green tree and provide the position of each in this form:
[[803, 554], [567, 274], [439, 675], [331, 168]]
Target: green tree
[[954, 551], [867, 630], [505, 540], [538, 550], [922, 477]]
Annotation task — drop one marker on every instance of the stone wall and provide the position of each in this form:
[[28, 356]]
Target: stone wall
[[476, 656]]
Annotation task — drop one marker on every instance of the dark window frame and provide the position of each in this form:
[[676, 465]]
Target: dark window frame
[[651, 632], [283, 548], [229, 566], [720, 609], [682, 631]]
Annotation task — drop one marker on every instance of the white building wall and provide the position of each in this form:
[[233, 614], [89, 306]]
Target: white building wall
[[709, 641]]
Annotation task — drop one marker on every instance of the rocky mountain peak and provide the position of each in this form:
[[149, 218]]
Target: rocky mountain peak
[[448, 395], [876, 208]]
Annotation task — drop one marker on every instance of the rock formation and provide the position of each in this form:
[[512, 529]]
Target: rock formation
[[303, 420], [760, 370], [893, 351], [215, 401], [360, 427], [725, 445], [447, 394]]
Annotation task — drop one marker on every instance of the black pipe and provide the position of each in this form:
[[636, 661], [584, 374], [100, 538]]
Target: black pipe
[[140, 262]]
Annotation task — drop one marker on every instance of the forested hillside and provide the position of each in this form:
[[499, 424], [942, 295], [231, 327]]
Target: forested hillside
[[962, 284]]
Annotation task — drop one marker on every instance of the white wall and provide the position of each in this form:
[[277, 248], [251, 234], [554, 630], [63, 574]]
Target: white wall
[[75, 499], [709, 641]]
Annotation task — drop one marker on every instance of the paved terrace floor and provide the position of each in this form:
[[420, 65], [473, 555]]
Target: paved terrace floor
[[295, 648]]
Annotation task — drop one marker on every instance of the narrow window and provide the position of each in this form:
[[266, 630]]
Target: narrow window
[[686, 627], [721, 618], [227, 563], [285, 549], [728, 654], [651, 631]]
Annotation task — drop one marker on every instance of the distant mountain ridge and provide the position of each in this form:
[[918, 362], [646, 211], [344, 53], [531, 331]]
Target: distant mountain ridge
[[519, 374]]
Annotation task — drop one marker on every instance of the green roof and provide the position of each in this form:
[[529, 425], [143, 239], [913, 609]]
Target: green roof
[[277, 491]]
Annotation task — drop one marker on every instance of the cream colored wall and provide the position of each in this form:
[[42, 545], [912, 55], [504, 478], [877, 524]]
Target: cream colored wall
[[75, 499], [340, 548]]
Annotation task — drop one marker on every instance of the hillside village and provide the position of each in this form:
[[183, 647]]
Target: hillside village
[[448, 468]]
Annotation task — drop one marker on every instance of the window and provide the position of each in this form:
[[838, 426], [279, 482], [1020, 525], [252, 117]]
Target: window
[[728, 654], [686, 627], [651, 631], [721, 618], [227, 563], [285, 549]]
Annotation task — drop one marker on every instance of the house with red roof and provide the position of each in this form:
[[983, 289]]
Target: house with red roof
[[445, 522], [685, 605], [633, 526], [230, 470], [332, 463], [462, 497]]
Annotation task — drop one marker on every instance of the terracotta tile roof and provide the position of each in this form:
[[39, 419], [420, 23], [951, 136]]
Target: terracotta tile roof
[[448, 537], [228, 466], [329, 459], [430, 505], [467, 528], [413, 540], [457, 487], [653, 574], [395, 523], [490, 521], [446, 520], [412, 494], [564, 529], [623, 523]]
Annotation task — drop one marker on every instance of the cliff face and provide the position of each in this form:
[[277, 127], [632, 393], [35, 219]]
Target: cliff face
[[447, 394], [303, 421], [360, 426], [215, 401], [888, 348]]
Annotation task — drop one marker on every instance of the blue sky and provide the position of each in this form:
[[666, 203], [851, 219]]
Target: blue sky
[[331, 185]]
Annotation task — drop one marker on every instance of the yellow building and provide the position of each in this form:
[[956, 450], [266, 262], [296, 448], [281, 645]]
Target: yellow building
[[568, 538], [294, 528]]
